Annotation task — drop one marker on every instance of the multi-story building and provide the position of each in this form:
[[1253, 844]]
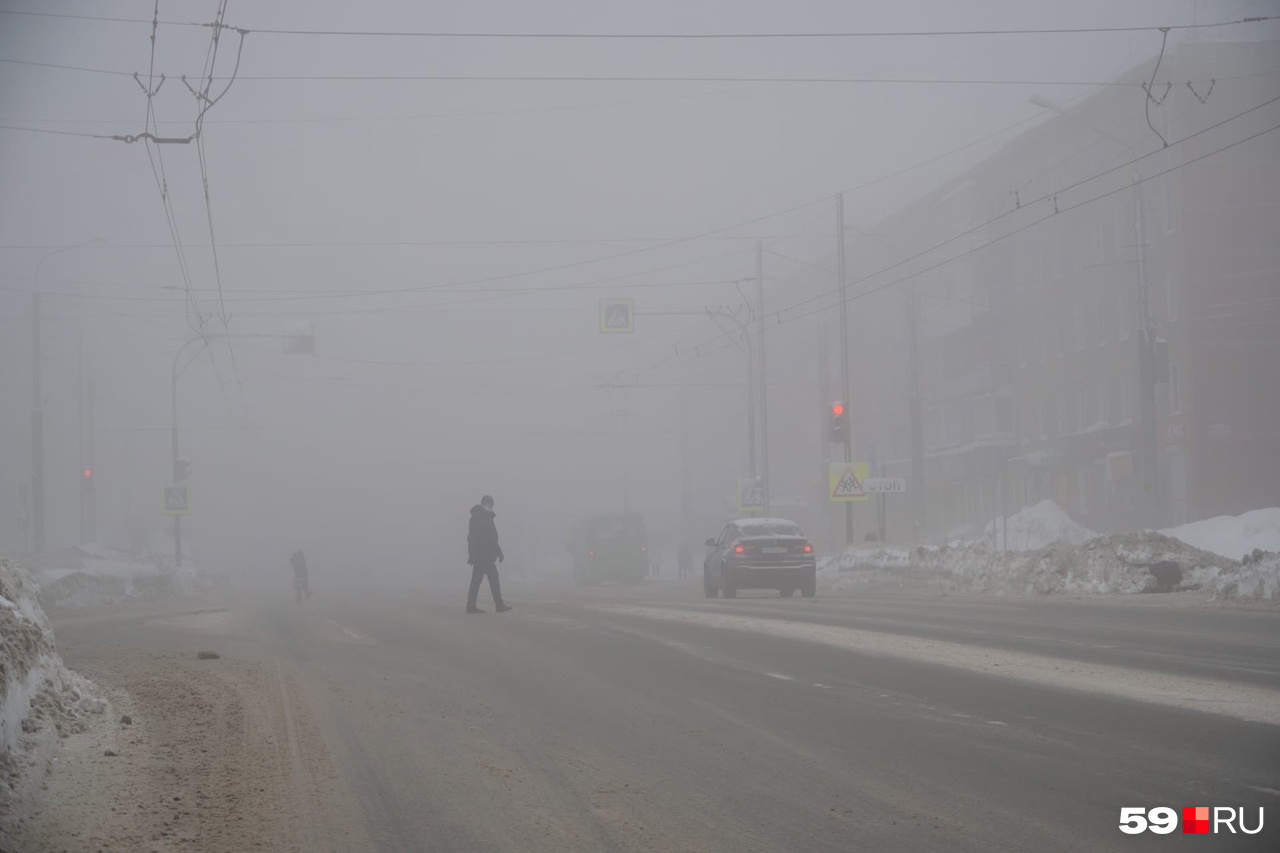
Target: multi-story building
[[1036, 277]]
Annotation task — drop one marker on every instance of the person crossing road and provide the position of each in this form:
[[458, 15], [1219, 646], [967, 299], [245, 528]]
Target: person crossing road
[[483, 555]]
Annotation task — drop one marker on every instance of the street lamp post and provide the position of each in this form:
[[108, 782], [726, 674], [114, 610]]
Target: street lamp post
[[37, 405]]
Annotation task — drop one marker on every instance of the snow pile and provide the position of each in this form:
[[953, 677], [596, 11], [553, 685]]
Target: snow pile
[[863, 565], [89, 575], [1233, 535], [35, 687], [1036, 527], [1256, 576], [1120, 564]]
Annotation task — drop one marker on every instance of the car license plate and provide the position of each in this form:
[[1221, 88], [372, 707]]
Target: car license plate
[[773, 550]]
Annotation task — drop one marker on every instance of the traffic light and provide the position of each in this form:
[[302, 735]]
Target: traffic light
[[181, 469], [87, 474], [839, 427]]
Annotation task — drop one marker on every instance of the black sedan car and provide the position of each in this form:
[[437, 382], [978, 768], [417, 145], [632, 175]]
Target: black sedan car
[[760, 553]]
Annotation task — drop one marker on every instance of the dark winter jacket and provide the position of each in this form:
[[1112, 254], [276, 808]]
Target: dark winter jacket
[[299, 563], [482, 537]]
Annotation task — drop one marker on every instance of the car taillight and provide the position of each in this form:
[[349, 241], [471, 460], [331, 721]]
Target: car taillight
[[808, 549], [738, 549], [591, 553]]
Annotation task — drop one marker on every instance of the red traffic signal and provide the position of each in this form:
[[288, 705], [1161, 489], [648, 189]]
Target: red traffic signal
[[88, 472], [838, 429]]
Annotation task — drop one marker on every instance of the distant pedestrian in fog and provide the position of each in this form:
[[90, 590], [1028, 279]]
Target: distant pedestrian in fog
[[301, 583], [483, 554]]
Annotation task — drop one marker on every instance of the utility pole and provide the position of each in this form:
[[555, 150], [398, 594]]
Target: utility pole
[[764, 378], [37, 427], [1147, 437], [80, 435], [686, 494], [90, 499], [917, 422], [177, 519], [844, 354]]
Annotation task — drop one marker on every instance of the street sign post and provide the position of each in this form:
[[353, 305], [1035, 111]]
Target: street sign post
[[750, 495], [617, 316], [845, 481], [177, 499]]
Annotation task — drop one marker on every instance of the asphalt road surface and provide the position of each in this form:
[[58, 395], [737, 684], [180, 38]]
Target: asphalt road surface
[[654, 720]]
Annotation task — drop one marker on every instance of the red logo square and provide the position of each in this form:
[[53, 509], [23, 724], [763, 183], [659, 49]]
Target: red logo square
[[1195, 818]]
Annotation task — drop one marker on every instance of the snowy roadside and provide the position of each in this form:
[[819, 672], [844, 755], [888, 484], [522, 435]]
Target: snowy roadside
[[91, 575], [41, 700], [1066, 559]]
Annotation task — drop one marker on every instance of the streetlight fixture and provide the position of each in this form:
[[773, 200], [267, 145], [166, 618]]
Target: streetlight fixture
[[37, 402]]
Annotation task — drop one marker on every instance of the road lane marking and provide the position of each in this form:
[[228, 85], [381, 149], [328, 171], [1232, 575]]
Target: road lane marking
[[1241, 701], [780, 676]]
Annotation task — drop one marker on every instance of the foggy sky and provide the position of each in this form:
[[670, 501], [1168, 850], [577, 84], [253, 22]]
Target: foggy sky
[[482, 379]]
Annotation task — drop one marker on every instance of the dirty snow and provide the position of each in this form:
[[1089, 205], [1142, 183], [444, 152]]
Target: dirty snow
[[1120, 564], [1233, 535], [90, 575], [36, 687]]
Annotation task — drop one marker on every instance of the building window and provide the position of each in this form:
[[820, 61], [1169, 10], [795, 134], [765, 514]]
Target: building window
[[1171, 299], [1081, 329], [1124, 315], [1050, 418], [1058, 253], [1085, 503], [1167, 204], [1175, 387], [1106, 319]]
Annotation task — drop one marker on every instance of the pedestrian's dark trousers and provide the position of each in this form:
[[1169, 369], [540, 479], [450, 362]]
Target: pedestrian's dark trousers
[[478, 572]]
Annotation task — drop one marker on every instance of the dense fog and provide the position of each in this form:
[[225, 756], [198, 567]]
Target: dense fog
[[433, 221]]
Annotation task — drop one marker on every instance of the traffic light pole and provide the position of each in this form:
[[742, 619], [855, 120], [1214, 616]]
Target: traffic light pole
[[177, 464], [844, 353]]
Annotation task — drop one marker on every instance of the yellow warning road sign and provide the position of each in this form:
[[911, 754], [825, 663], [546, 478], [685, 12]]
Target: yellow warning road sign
[[617, 316], [845, 481]]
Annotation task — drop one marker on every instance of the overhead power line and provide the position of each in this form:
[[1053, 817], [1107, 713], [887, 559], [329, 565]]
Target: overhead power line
[[914, 273], [602, 78], [683, 36]]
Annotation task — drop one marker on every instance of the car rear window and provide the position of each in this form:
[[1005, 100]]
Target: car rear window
[[770, 530]]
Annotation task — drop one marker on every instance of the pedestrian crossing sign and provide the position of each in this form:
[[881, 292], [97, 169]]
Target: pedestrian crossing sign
[[177, 499], [845, 481], [617, 316], [750, 495]]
